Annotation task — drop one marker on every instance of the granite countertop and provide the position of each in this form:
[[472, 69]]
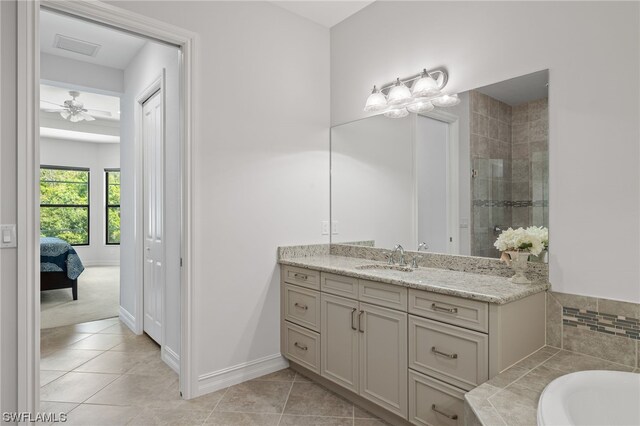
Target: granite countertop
[[486, 288], [511, 397]]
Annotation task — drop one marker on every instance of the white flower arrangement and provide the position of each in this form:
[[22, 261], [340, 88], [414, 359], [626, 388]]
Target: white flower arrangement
[[531, 239], [542, 233]]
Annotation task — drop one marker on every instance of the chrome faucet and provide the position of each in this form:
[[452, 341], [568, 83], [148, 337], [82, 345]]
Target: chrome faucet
[[414, 261], [402, 261]]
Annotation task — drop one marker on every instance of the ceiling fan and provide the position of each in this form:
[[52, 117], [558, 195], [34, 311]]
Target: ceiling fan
[[74, 111]]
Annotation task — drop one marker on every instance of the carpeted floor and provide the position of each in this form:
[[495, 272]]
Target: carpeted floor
[[98, 298]]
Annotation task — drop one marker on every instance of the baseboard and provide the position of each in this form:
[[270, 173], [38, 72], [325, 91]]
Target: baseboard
[[90, 263], [211, 382], [128, 319], [170, 358]]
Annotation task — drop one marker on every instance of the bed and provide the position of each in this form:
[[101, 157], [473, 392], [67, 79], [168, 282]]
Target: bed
[[60, 266]]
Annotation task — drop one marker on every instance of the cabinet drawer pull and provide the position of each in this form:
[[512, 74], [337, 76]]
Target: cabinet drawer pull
[[301, 276], [297, 305], [449, 416], [300, 346], [353, 320], [437, 352], [441, 309], [360, 322]]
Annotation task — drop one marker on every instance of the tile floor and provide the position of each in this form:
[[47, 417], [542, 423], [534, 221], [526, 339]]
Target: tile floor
[[100, 373]]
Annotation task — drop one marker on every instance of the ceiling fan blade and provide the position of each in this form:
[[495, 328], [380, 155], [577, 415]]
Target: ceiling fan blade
[[52, 103], [86, 116], [100, 113], [54, 110]]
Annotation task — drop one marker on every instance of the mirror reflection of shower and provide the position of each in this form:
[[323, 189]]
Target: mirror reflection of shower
[[510, 150]]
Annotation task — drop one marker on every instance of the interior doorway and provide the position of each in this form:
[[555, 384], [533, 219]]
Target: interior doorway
[[29, 316]]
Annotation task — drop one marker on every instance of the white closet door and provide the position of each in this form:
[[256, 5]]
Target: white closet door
[[152, 138]]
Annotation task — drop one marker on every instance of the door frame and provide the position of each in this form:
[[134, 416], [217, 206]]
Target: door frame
[[28, 66], [453, 178]]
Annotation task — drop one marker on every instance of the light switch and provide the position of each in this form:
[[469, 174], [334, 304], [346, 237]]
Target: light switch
[[8, 236], [334, 227]]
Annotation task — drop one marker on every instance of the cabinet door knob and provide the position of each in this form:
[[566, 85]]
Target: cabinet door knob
[[300, 346], [446, 355], [449, 416]]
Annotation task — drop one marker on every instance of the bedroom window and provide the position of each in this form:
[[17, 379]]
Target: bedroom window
[[112, 191], [64, 204]]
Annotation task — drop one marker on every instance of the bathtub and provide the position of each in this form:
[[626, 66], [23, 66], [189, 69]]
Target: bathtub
[[591, 398]]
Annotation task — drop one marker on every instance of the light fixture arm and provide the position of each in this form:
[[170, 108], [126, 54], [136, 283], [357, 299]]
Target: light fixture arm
[[439, 75]]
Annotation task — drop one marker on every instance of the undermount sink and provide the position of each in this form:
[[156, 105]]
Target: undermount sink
[[387, 267]]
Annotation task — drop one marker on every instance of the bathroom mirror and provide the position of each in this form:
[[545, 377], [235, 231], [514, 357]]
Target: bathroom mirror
[[452, 178]]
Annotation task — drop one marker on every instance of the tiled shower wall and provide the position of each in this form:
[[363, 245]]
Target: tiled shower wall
[[530, 164], [603, 328], [491, 162], [509, 155]]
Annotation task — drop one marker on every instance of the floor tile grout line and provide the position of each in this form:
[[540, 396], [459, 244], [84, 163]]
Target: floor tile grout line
[[284, 407], [216, 406]]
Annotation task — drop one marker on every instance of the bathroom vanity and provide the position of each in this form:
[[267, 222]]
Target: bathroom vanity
[[405, 343]]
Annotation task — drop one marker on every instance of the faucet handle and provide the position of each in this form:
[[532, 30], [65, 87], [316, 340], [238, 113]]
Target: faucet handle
[[389, 258], [414, 261], [402, 262]]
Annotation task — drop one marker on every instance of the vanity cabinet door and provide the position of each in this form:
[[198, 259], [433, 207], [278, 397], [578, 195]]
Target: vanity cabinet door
[[383, 357], [339, 340]]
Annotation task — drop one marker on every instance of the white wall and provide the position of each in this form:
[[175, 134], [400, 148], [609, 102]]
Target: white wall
[[260, 167], [97, 157], [594, 151], [372, 181], [143, 70], [81, 75]]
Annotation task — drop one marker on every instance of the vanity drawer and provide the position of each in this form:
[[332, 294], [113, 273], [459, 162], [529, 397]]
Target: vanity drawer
[[301, 276], [388, 295], [302, 306], [432, 402], [449, 353], [452, 310], [339, 285], [302, 346]]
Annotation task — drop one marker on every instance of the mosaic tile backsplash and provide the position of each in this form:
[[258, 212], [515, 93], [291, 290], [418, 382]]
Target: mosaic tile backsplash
[[617, 325]]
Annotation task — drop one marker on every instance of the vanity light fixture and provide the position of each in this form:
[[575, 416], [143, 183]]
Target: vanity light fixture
[[446, 101], [396, 100], [399, 94], [376, 101]]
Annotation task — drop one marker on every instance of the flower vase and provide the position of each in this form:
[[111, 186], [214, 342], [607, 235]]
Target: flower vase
[[543, 257], [518, 262]]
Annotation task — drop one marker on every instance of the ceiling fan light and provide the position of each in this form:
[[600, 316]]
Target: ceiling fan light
[[425, 86], [376, 101], [65, 114], [396, 113], [446, 101], [421, 106], [399, 94], [75, 118]]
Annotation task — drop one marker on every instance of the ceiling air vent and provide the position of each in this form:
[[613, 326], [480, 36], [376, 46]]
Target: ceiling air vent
[[75, 45]]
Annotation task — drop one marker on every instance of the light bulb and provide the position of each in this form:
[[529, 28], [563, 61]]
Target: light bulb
[[65, 114], [425, 86], [399, 94], [396, 113], [75, 118], [421, 106], [446, 101], [376, 101]]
